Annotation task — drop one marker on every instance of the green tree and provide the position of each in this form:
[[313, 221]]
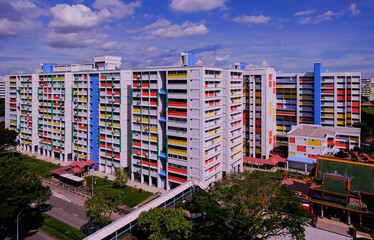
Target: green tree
[[2, 107], [7, 137], [165, 223], [101, 206], [248, 206], [18, 188], [366, 130], [122, 177]]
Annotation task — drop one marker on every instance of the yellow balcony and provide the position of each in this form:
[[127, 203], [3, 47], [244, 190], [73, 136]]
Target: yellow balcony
[[82, 155], [354, 139], [154, 138], [179, 75], [102, 108], [217, 139], [137, 110], [279, 127], [178, 142], [258, 101], [153, 129], [340, 115], [258, 150], [56, 123], [116, 124], [312, 142], [177, 151], [328, 115], [341, 122], [258, 94], [328, 109], [291, 153], [279, 132], [279, 86], [306, 97], [82, 99], [12, 122], [102, 115], [270, 112]]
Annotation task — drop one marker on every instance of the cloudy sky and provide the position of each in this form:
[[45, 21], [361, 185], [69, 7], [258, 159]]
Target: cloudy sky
[[289, 35]]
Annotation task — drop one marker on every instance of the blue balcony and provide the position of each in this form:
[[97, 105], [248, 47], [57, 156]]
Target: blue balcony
[[162, 155], [162, 119], [162, 92], [162, 173]]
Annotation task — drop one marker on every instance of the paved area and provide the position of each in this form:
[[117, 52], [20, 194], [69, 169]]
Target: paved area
[[332, 226], [315, 233], [41, 157]]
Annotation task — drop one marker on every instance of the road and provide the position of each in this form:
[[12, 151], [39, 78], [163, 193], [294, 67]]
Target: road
[[67, 212]]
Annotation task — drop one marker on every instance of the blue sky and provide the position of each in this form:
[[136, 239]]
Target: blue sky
[[289, 35]]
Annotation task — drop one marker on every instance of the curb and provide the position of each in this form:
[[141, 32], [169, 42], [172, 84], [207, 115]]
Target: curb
[[68, 189]]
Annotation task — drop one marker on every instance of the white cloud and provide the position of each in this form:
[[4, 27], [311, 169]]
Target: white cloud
[[163, 28], [320, 18], [261, 19], [75, 17], [188, 6], [111, 45], [327, 16], [19, 18], [117, 8], [152, 48], [221, 59], [72, 40], [353, 9], [307, 12]]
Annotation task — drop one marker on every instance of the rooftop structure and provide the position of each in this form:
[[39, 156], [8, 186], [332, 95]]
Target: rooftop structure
[[306, 142]]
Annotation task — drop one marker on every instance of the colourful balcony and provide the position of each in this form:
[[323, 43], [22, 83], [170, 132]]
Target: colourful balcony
[[177, 104], [177, 75], [181, 180], [178, 170], [178, 142], [177, 151], [175, 113]]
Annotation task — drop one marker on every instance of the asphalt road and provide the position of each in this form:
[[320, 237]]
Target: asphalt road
[[67, 212]]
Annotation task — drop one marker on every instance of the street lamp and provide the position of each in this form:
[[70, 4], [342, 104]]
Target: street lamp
[[17, 223]]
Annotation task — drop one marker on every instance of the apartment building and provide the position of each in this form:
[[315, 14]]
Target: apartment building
[[183, 118], [2, 87], [367, 88], [306, 142], [330, 99], [259, 113], [73, 112]]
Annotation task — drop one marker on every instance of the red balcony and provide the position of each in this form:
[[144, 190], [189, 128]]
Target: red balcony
[[153, 103], [117, 156], [177, 179], [102, 77], [145, 93], [178, 170], [138, 144], [301, 148], [82, 127], [179, 114], [102, 138], [331, 142], [145, 85], [177, 104], [56, 149], [153, 164], [154, 94]]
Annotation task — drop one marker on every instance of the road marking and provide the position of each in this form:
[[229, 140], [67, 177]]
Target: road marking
[[60, 196], [61, 209], [75, 214]]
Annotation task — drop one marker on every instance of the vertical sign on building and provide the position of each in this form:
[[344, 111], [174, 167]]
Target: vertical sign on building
[[317, 93]]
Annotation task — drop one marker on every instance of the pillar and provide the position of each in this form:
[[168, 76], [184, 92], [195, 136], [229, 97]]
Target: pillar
[[360, 219], [349, 217], [311, 208], [321, 211], [306, 168], [287, 165]]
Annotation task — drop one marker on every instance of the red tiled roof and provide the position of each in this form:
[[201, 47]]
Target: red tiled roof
[[73, 164], [90, 162], [77, 170], [81, 164], [273, 160], [61, 170]]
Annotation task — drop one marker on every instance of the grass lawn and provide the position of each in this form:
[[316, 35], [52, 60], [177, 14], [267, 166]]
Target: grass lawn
[[39, 167], [60, 230], [130, 197], [368, 110]]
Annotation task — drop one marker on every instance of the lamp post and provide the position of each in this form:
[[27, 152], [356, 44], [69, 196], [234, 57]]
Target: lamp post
[[17, 223]]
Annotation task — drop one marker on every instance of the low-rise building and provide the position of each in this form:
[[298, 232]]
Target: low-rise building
[[306, 142]]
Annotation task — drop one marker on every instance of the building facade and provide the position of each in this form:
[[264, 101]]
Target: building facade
[[367, 88], [259, 115], [2, 87], [306, 142], [186, 124], [330, 99], [73, 112]]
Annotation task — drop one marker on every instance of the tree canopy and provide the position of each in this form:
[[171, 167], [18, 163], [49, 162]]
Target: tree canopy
[[122, 177], [248, 206], [101, 206], [165, 223], [366, 130], [18, 188], [7, 137]]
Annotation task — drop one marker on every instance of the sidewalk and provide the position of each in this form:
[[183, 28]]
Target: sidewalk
[[44, 158], [338, 228]]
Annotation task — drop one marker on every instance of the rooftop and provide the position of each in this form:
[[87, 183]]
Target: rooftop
[[319, 131]]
